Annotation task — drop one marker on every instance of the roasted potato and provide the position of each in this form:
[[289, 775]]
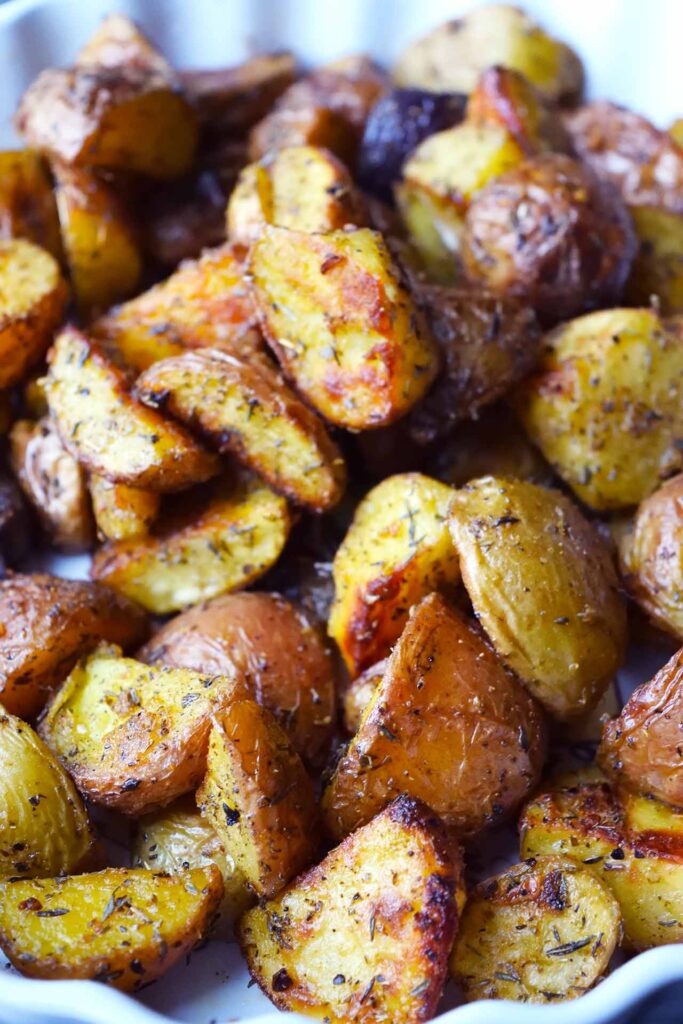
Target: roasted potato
[[46, 623], [120, 511], [272, 647], [223, 542], [676, 131], [134, 737], [205, 303], [119, 43], [27, 203], [258, 797], [658, 267], [15, 528], [342, 325], [446, 724], [245, 409], [539, 932], [109, 431], [121, 926], [359, 694], [504, 97], [543, 586], [311, 125], [119, 118], [365, 935], [453, 55], [44, 827], [32, 299], [397, 550], [551, 233], [605, 406]]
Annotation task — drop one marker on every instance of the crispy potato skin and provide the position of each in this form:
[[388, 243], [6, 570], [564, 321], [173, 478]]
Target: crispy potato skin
[[543, 587], [154, 920], [396, 551], [342, 325], [47, 623], [44, 827], [658, 266], [120, 511], [229, 101], [381, 905], [447, 724], [604, 405], [109, 431], [32, 300], [205, 303], [246, 409], [359, 694], [538, 932], [272, 647], [641, 748], [551, 233], [54, 483], [27, 202], [505, 97]]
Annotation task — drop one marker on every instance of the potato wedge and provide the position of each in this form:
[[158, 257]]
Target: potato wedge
[[121, 926], [605, 404], [134, 737], [205, 303], [120, 511], [365, 935], [222, 544], [229, 101], [397, 550], [658, 267], [112, 433], [32, 299], [259, 799], [359, 694], [269, 644], [47, 623], [119, 43], [27, 203], [44, 826], [245, 409], [54, 483], [507, 98], [539, 932], [543, 586], [342, 325], [446, 724]]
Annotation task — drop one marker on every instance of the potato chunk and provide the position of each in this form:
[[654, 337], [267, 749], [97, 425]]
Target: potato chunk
[[397, 550], [134, 737], [120, 926], [365, 935], [32, 299], [537, 933], [112, 433], [605, 404], [27, 203], [245, 408], [46, 624], [507, 98], [544, 588], [359, 694], [229, 101], [658, 267], [44, 827], [342, 325], [118, 42], [446, 724], [224, 544], [122, 512], [15, 527]]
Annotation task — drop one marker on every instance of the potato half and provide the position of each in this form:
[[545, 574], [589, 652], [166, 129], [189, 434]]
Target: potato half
[[120, 511]]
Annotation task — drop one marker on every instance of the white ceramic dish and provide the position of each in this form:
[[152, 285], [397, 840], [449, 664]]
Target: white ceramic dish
[[632, 53]]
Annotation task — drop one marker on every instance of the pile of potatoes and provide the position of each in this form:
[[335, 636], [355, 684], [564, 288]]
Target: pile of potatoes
[[364, 390]]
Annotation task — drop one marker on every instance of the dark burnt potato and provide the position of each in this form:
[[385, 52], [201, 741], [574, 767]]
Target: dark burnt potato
[[15, 525], [549, 232]]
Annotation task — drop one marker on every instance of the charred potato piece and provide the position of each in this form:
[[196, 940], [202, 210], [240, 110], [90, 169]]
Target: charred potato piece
[[27, 202], [543, 587], [658, 266], [453, 55], [245, 409], [271, 645], [44, 827], [120, 511], [112, 433], [539, 932], [121, 119], [104, 260], [505, 97], [312, 125], [397, 550], [224, 543], [121, 926], [47, 623], [604, 405], [134, 737], [446, 724], [119, 43], [365, 935], [32, 299], [15, 528], [53, 482], [359, 694], [342, 325], [551, 233], [205, 303], [258, 797]]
